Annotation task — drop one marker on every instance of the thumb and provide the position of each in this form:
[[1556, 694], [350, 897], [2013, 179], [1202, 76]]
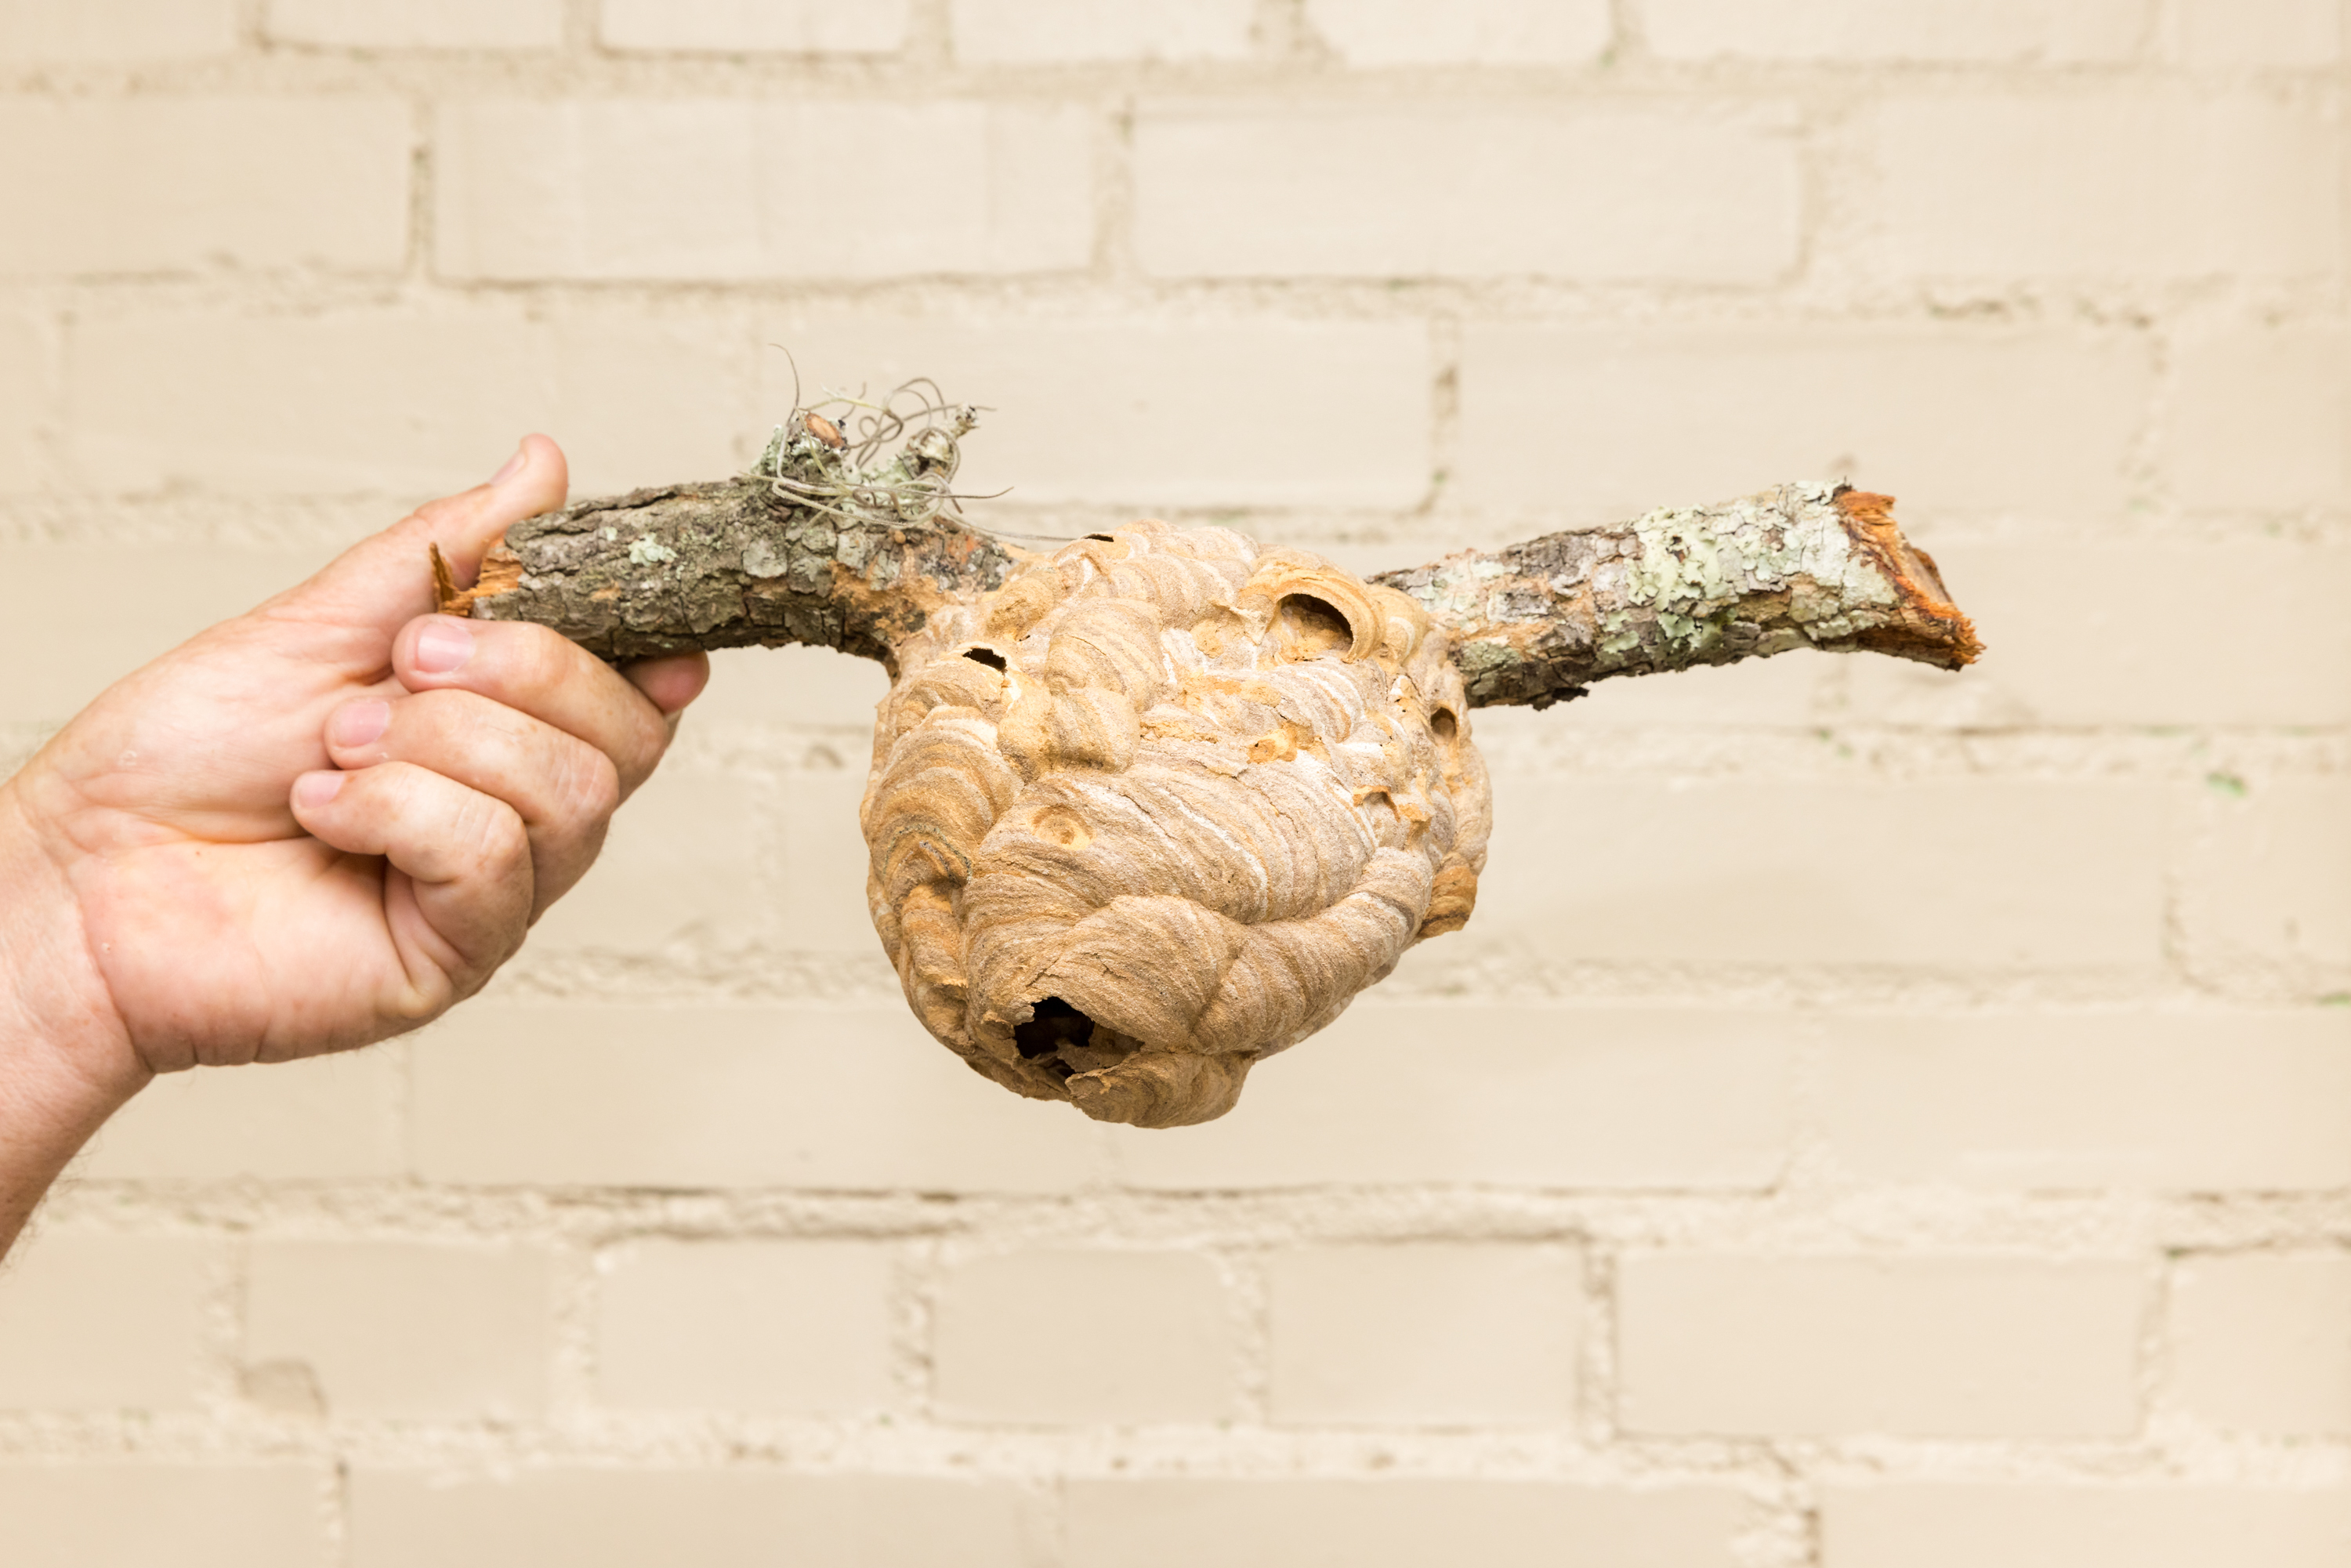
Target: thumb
[[384, 582]]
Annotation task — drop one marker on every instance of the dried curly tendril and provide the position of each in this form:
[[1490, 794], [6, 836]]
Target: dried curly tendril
[[889, 461]]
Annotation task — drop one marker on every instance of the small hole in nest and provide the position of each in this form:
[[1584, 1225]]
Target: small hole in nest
[[1443, 725], [1052, 1024], [1106, 538], [1316, 625], [1063, 1040], [988, 656]]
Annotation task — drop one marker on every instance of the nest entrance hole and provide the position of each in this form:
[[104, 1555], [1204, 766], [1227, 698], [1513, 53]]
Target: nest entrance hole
[[1315, 625], [1066, 1041], [988, 656]]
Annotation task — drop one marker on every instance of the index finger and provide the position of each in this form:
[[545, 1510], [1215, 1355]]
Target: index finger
[[382, 582], [542, 673]]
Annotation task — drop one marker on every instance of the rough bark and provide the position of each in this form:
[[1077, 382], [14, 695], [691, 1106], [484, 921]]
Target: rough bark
[[724, 564], [1803, 566]]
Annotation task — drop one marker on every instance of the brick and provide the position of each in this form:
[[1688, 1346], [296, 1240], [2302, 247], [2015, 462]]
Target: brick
[[825, 864], [1024, 32], [2014, 30], [1945, 1347], [812, 687], [330, 403], [2292, 33], [791, 1327], [1558, 1098], [717, 190], [611, 1095], [114, 32], [1463, 190], [1599, 425], [101, 1322], [1374, 33], [2061, 656], [1960, 1526], [738, 1518], [2025, 874], [1423, 1334], [1135, 1337], [417, 24], [335, 1118], [1979, 186], [754, 27], [1395, 1524], [192, 183], [2181, 1102], [24, 397], [117, 1515], [676, 867], [2262, 1342], [57, 656], [2267, 879], [402, 1328], [2263, 420], [1111, 411]]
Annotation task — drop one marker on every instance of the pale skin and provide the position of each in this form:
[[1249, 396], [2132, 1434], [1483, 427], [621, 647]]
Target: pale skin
[[313, 826]]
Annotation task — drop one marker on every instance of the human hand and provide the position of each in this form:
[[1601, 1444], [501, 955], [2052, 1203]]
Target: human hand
[[317, 825]]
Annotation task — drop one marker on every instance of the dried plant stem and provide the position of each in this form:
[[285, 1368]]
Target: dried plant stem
[[725, 564]]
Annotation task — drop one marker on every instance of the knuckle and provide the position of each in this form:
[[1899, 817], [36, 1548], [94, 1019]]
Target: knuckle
[[534, 658], [648, 739], [435, 711], [592, 789], [502, 845], [399, 788], [578, 789]]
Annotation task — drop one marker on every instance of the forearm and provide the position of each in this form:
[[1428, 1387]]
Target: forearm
[[62, 1070]]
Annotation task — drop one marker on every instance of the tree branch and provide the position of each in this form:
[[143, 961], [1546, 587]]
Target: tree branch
[[1803, 566], [728, 563], [725, 565]]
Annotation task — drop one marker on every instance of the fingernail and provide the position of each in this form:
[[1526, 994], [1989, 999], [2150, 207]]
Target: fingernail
[[514, 464], [313, 790], [357, 724], [443, 646]]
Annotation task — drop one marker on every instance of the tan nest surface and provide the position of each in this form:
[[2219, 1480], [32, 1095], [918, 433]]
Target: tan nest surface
[[1160, 807]]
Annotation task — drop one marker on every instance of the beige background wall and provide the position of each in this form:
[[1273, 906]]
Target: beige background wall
[[1878, 1119]]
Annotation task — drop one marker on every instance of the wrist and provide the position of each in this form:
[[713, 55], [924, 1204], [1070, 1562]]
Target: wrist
[[65, 1064]]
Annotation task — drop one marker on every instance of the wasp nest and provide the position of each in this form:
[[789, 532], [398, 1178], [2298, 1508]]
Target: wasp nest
[[1159, 807]]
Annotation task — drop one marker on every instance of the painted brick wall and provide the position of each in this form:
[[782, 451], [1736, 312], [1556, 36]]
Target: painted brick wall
[[1878, 1119]]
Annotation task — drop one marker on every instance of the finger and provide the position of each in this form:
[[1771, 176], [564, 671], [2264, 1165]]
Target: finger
[[463, 900], [381, 583], [536, 672], [563, 788], [669, 684]]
